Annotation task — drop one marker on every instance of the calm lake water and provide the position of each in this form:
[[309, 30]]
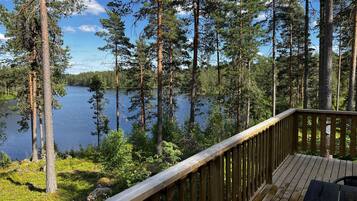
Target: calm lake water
[[73, 123]]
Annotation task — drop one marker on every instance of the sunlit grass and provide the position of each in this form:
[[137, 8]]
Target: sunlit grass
[[76, 179]]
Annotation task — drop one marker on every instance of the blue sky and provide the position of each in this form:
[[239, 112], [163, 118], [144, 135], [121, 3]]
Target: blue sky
[[79, 35]]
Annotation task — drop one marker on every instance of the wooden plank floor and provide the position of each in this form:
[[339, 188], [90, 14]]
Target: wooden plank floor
[[293, 176]]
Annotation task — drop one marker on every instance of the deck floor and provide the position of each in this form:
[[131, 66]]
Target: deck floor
[[293, 176]]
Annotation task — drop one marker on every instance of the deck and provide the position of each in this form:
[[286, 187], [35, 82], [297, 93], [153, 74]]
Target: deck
[[292, 178], [264, 162]]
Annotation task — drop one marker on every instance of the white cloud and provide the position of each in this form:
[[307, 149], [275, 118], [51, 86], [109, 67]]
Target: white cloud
[[93, 7], [90, 28], [69, 29], [3, 37]]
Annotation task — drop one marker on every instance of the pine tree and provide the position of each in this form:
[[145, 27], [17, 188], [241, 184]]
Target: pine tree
[[141, 83], [118, 45], [97, 102]]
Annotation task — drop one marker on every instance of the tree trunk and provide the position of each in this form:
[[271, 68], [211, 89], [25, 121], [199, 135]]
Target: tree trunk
[[142, 99], [42, 137], [159, 77], [218, 61], [339, 75], [171, 87], [97, 118], [291, 66], [273, 64], [33, 106], [117, 86], [306, 61], [51, 184], [193, 94], [325, 84], [352, 80], [247, 121]]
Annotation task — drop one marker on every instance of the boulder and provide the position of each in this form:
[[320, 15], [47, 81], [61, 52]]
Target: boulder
[[104, 182], [99, 193]]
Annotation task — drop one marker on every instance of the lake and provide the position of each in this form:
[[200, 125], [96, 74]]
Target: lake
[[73, 123]]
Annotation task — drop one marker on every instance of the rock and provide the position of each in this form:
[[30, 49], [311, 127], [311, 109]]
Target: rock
[[99, 193], [104, 182]]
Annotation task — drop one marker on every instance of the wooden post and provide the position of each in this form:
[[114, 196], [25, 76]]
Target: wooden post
[[295, 133], [270, 155]]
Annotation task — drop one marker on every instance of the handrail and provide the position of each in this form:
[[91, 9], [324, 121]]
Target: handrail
[[327, 112], [152, 185]]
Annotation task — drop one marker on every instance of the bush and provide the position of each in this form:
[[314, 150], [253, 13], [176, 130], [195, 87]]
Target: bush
[[117, 160], [171, 155], [5, 160], [90, 152]]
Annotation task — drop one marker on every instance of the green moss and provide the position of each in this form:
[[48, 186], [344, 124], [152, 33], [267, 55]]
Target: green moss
[[25, 181]]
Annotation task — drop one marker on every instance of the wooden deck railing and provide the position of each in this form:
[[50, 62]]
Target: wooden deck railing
[[326, 133], [235, 168]]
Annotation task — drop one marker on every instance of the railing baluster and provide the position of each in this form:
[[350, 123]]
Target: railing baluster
[[244, 171], [203, 183], [228, 183], [313, 133], [295, 140], [322, 121], [343, 137], [353, 137], [304, 132], [182, 186], [333, 135], [193, 186], [239, 157], [270, 156], [170, 193], [249, 167], [235, 171]]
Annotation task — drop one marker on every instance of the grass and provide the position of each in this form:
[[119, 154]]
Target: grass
[[76, 178], [7, 97]]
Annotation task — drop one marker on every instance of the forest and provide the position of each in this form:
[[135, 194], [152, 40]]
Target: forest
[[252, 58]]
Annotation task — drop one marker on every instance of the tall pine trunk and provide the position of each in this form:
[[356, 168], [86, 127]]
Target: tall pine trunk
[[193, 93], [352, 80], [117, 86], [142, 99], [218, 61], [171, 83], [51, 184], [339, 74], [33, 105], [326, 68], [159, 77], [42, 137], [306, 60], [291, 66], [273, 64]]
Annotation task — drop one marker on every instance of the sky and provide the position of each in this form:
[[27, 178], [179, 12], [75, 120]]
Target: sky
[[79, 35]]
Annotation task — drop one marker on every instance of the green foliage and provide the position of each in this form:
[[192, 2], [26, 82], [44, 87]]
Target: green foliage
[[171, 155], [141, 143], [97, 87], [141, 84], [219, 127], [89, 152], [5, 160], [117, 160]]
